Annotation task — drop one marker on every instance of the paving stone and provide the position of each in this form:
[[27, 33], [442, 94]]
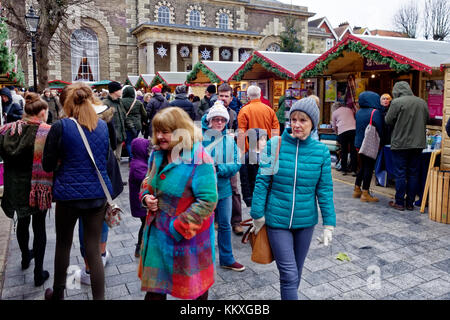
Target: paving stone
[[384, 290], [227, 289], [413, 294], [348, 283], [345, 270], [354, 295], [320, 277], [116, 292], [261, 293], [321, 292], [443, 265], [318, 264], [396, 268], [262, 280], [436, 287], [406, 281], [120, 279], [429, 273]]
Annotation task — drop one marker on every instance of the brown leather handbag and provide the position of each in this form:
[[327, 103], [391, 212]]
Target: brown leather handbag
[[261, 250]]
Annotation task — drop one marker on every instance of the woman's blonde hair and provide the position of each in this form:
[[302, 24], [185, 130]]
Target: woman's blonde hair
[[172, 119], [78, 104]]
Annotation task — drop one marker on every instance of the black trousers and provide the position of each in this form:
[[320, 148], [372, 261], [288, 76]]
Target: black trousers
[[236, 213], [347, 141], [39, 238], [365, 173], [65, 219]]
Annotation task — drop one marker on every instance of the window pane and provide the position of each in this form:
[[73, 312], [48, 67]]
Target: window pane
[[164, 15], [223, 21], [194, 18], [84, 55]]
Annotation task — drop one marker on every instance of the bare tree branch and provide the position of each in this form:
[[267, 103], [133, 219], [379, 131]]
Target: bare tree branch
[[437, 19], [407, 18]]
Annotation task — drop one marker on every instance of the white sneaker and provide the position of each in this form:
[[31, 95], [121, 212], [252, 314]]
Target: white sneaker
[[85, 278], [105, 258]]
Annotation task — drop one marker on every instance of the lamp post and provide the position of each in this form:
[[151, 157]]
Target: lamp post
[[32, 20]]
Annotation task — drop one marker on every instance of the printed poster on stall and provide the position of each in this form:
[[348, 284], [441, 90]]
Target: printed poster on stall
[[330, 91], [435, 89]]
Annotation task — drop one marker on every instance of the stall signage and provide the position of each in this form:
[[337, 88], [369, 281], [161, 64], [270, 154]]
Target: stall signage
[[370, 65]]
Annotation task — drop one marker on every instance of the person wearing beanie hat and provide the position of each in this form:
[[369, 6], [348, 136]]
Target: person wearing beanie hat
[[225, 154], [296, 180], [182, 101], [157, 89], [217, 110], [114, 86], [113, 100]]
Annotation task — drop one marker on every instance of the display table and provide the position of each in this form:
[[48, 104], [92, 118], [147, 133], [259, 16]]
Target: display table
[[384, 169]]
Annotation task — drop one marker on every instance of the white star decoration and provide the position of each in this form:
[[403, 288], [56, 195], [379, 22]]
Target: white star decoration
[[245, 55], [206, 54], [161, 51]]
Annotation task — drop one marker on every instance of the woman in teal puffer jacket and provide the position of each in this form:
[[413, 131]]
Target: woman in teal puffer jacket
[[225, 153], [293, 180]]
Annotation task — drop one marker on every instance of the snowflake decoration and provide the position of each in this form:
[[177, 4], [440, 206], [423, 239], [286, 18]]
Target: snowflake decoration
[[184, 52], [274, 47], [206, 54], [161, 51], [245, 55], [226, 54]]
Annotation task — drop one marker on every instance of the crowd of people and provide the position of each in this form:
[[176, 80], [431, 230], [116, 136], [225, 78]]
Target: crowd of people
[[184, 155]]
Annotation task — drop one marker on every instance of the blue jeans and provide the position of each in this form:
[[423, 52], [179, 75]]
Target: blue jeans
[[289, 248], [104, 237], [131, 135], [406, 174], [223, 218]]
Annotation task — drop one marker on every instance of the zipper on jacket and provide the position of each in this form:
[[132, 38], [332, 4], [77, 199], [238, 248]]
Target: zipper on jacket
[[295, 185]]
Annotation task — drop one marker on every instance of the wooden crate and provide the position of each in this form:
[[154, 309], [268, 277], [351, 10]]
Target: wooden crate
[[439, 193]]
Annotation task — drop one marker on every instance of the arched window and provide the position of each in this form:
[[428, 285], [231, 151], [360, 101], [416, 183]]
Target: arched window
[[194, 18], [275, 47], [84, 55], [223, 21], [164, 15]]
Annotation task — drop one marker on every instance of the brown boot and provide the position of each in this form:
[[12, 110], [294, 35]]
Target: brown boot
[[366, 197], [357, 192]]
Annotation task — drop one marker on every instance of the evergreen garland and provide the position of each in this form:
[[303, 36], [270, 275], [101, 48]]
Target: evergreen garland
[[157, 80], [266, 65], [7, 58], [200, 67], [362, 50]]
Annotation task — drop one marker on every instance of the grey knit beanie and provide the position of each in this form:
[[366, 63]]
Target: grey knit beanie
[[308, 106]]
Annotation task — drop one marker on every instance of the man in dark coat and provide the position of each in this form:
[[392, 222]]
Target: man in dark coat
[[11, 111], [182, 101], [156, 103], [408, 115], [206, 102], [113, 101]]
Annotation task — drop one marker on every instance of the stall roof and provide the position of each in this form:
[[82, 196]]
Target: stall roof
[[147, 78], [101, 83], [133, 80], [58, 84], [422, 55], [213, 70], [288, 64], [173, 78]]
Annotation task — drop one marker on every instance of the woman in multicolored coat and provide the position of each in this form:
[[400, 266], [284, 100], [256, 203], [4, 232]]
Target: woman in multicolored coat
[[180, 192]]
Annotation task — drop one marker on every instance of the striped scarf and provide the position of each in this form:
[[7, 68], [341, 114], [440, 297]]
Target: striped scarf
[[41, 181]]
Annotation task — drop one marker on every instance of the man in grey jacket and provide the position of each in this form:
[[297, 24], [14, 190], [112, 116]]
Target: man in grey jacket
[[408, 115]]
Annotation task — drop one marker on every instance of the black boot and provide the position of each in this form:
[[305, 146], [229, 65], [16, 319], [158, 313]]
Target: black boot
[[137, 252], [58, 294], [40, 278], [26, 259]]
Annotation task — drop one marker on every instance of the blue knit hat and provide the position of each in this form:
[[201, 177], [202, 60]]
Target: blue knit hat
[[308, 106]]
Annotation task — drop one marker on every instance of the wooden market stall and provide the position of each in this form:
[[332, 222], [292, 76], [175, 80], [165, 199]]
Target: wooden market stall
[[207, 72], [58, 85], [144, 82], [274, 73], [99, 85], [359, 63], [170, 79], [132, 81], [376, 63]]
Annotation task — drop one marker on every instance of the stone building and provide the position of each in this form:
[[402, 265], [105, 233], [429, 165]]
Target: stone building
[[116, 38]]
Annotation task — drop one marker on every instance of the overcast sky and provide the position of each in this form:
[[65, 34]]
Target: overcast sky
[[374, 14]]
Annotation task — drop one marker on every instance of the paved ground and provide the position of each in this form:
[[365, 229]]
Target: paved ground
[[393, 255]]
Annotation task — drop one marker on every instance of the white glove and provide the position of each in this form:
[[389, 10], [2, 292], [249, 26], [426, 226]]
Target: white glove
[[258, 224], [327, 235]]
